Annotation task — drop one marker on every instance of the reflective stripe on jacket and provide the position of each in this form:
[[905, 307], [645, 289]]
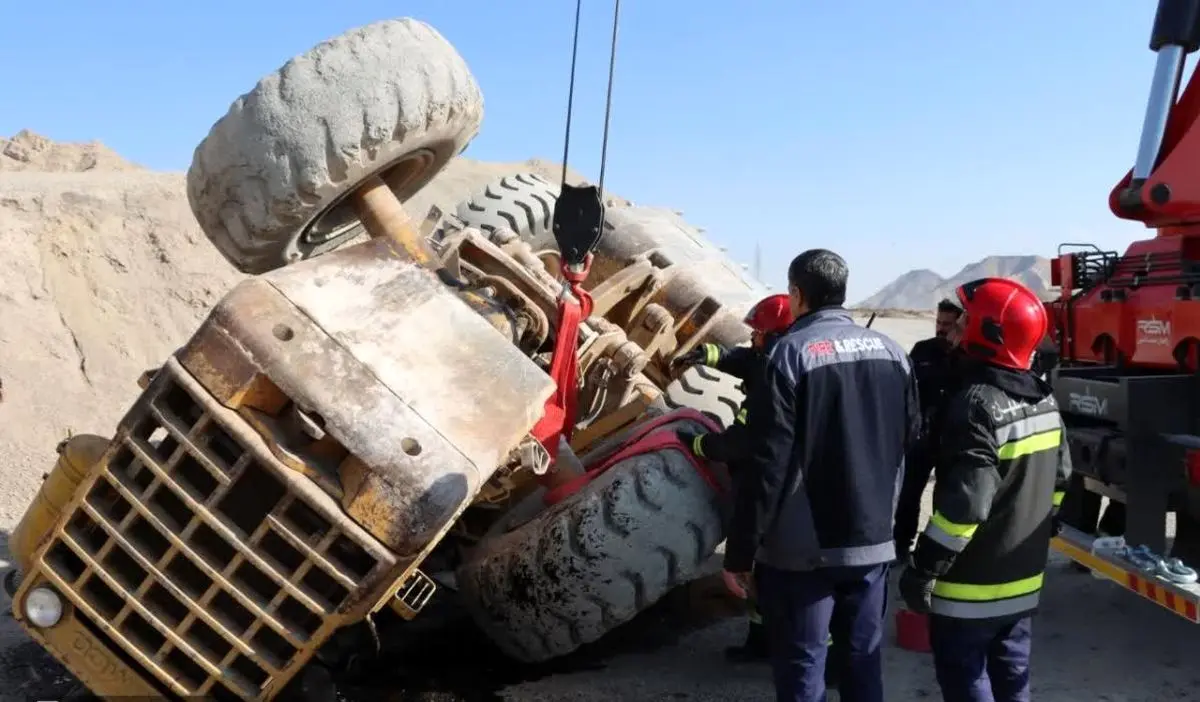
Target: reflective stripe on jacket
[[1003, 464], [729, 446]]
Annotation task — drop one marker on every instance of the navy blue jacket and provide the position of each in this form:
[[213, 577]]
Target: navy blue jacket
[[828, 426]]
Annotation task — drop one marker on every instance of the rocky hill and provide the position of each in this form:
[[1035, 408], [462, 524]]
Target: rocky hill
[[921, 289], [105, 272]]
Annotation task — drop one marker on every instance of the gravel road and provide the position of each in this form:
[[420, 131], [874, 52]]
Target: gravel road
[[1094, 641]]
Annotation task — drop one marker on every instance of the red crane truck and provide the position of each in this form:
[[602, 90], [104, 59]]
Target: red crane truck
[[1127, 330]]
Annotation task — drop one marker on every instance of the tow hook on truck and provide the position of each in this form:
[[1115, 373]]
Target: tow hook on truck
[[1165, 581]]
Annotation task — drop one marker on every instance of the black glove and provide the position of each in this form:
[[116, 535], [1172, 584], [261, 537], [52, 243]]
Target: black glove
[[1056, 524], [692, 441], [699, 356], [916, 589]]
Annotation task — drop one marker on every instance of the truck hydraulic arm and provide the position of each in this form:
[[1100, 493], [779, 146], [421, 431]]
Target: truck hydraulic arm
[[1163, 189]]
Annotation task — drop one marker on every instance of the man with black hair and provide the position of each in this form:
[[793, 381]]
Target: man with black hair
[[833, 414], [932, 363]]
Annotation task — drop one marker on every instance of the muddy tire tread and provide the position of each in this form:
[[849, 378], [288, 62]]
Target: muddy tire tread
[[642, 529]]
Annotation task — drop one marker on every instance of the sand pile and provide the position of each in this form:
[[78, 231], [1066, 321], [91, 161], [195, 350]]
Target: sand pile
[[104, 274], [32, 152]]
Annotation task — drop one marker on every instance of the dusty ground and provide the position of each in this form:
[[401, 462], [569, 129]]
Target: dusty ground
[[105, 273]]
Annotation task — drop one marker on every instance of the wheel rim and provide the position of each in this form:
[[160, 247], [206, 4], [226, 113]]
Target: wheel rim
[[340, 217]]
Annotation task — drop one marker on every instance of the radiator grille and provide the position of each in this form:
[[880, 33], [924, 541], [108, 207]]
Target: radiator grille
[[197, 560]]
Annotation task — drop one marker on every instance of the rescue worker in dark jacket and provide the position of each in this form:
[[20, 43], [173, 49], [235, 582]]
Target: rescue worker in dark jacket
[[769, 318], [932, 362], [1003, 466], [827, 427]]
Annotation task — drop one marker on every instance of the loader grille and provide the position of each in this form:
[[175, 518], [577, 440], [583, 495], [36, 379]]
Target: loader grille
[[196, 561]]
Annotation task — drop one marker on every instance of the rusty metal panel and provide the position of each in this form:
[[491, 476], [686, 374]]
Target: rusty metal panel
[[424, 395], [357, 410], [431, 350]]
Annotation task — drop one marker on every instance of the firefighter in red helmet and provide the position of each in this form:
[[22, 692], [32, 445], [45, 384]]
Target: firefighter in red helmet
[[768, 320], [1003, 465]]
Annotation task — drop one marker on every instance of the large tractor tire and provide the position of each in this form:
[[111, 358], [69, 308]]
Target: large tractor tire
[[523, 203], [716, 394], [269, 182], [592, 562]]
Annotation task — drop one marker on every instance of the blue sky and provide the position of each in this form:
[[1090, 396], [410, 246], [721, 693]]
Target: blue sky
[[901, 134]]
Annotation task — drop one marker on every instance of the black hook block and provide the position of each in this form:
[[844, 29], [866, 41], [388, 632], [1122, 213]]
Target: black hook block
[[578, 217]]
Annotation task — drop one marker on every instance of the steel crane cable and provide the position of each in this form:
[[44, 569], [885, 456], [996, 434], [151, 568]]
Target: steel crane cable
[[612, 62]]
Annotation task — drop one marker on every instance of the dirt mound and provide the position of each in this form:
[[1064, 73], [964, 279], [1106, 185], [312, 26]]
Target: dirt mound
[[28, 151], [105, 273], [103, 276]]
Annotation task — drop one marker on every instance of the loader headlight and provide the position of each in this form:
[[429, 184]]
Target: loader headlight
[[43, 607]]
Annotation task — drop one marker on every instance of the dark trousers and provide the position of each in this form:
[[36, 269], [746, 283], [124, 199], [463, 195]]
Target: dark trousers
[[918, 466], [982, 661], [835, 657], [798, 610]]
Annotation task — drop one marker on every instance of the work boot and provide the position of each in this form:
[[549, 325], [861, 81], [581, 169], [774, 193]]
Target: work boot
[[754, 650]]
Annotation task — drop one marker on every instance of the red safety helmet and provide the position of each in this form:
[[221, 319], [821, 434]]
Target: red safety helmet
[[771, 315], [1004, 322]]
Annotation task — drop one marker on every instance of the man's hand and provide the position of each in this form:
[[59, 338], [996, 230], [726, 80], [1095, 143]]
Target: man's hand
[[916, 589], [696, 356], [740, 584], [703, 355]]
